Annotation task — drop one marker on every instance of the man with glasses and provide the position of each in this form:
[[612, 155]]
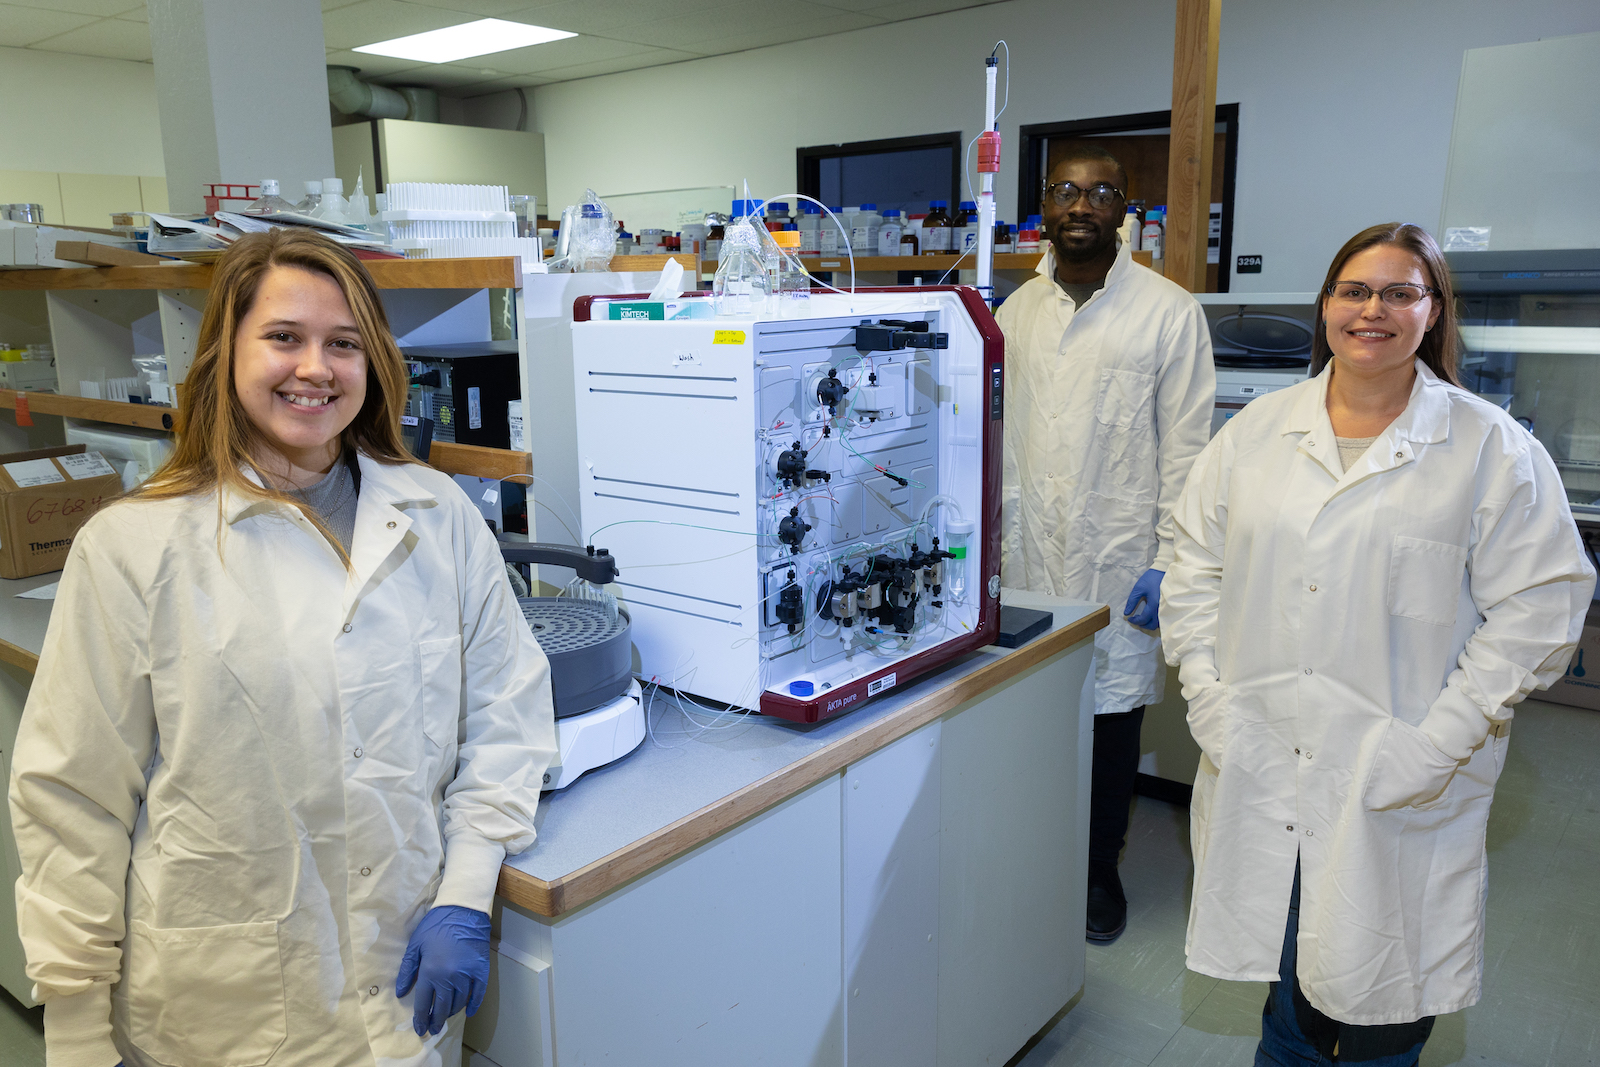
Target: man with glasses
[[1110, 400]]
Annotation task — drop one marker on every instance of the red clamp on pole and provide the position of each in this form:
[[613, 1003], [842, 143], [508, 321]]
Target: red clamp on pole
[[24, 416], [989, 152]]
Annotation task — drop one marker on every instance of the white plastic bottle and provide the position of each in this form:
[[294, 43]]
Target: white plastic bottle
[[828, 238], [810, 226], [889, 234], [332, 208], [957, 533], [964, 232], [1150, 239], [1130, 229], [864, 230]]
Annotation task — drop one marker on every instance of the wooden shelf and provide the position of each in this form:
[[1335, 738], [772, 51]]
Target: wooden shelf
[[118, 412], [924, 264], [446, 456], [622, 263], [495, 272]]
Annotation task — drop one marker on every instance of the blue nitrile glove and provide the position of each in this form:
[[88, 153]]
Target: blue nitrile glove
[[1147, 589], [447, 960]]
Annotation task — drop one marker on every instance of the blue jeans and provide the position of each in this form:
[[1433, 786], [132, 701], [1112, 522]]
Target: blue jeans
[[1294, 1034]]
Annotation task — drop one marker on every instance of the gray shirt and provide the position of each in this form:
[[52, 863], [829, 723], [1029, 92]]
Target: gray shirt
[[1080, 294], [334, 501], [1353, 448]]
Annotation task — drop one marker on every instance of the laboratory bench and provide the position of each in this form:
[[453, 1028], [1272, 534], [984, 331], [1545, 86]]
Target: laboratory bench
[[899, 884]]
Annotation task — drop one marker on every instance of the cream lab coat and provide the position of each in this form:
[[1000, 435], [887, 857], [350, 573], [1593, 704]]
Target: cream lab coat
[[1106, 408], [1351, 644], [243, 777]]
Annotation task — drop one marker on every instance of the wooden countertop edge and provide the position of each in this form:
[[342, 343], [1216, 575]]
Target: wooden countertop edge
[[590, 882], [18, 657]]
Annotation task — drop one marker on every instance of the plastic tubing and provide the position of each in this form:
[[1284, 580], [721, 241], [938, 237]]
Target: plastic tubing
[[844, 232]]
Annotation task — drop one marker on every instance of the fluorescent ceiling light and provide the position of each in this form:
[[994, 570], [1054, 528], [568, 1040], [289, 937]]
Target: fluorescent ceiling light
[[469, 39]]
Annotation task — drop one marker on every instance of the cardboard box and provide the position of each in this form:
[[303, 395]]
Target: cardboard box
[[45, 496], [1580, 686]]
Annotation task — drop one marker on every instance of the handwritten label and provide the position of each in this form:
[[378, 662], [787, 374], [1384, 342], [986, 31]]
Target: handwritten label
[[728, 337]]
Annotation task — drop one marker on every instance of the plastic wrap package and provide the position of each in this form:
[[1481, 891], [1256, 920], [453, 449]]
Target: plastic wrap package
[[588, 237]]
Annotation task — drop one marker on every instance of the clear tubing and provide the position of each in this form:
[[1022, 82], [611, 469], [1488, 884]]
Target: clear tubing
[[844, 232]]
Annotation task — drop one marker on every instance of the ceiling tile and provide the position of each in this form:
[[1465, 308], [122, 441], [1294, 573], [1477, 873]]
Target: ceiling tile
[[20, 26], [553, 54], [750, 24], [97, 8], [899, 10], [654, 58], [603, 16], [371, 21], [372, 66], [489, 9], [111, 38], [500, 85]]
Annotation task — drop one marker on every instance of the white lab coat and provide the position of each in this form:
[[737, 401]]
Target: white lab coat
[[1351, 641], [1106, 408], [242, 778]]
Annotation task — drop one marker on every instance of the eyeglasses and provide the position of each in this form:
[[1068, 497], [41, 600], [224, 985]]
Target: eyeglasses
[[1065, 194], [1399, 297]]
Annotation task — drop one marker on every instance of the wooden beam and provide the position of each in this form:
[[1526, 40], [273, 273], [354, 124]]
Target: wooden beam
[[478, 461], [119, 412], [1194, 119], [490, 272], [622, 263]]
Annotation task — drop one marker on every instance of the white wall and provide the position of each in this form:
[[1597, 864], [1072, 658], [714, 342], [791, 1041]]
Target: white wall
[[78, 114], [1345, 109]]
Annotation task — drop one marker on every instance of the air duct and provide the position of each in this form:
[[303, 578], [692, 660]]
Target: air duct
[[353, 96], [423, 103]]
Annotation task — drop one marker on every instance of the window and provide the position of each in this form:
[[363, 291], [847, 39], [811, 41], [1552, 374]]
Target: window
[[903, 173]]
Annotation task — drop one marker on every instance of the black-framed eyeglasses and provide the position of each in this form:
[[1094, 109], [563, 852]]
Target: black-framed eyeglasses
[[1065, 194], [1400, 296]]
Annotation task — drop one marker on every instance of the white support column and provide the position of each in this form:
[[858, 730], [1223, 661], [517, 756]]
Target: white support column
[[243, 94]]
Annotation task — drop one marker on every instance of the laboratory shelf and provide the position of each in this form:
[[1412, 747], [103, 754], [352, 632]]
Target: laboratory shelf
[[493, 272], [1024, 261]]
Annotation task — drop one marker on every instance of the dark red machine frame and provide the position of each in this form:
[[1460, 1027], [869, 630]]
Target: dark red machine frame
[[854, 695]]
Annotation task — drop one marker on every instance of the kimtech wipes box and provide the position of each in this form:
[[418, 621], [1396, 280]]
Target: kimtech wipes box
[[45, 496]]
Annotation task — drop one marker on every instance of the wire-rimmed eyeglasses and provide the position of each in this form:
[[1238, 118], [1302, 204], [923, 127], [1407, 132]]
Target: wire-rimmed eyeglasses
[[1399, 296]]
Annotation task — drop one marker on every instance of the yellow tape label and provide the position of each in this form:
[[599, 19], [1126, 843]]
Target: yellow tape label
[[728, 337]]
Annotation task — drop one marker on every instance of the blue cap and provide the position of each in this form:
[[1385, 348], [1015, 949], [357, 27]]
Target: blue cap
[[810, 209], [801, 689], [790, 226], [741, 208], [1034, 222], [869, 207], [780, 205], [835, 208], [589, 211], [937, 203], [969, 205], [892, 213]]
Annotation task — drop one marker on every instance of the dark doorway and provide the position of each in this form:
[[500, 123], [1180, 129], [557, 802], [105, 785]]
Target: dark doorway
[[1142, 143]]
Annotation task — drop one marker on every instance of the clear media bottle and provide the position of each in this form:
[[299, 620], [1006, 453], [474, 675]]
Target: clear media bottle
[[957, 533], [269, 202], [889, 234], [312, 198], [794, 284], [742, 285], [332, 207], [964, 231], [810, 226], [936, 229]]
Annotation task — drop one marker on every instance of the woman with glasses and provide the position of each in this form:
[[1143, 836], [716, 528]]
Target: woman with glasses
[[1371, 568]]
